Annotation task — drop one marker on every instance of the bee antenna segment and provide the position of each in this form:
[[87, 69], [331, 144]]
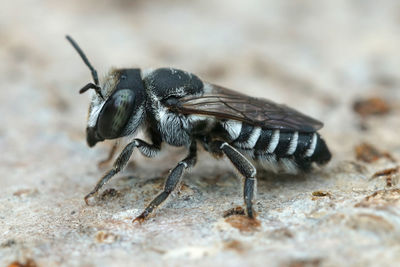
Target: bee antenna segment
[[92, 86], [86, 61]]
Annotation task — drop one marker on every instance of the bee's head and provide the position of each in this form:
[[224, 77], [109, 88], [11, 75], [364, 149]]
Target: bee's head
[[117, 108]]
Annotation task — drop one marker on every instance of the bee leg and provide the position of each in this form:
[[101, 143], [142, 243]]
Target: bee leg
[[120, 163], [109, 157], [171, 183], [244, 166]]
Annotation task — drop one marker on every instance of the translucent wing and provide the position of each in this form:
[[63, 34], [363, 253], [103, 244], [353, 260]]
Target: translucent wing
[[224, 103]]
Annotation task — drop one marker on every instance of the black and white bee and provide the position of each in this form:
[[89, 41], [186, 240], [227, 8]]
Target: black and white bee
[[178, 108]]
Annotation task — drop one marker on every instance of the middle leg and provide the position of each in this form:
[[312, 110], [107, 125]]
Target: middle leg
[[171, 182]]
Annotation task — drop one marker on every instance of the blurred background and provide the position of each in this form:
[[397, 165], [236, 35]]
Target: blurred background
[[337, 61]]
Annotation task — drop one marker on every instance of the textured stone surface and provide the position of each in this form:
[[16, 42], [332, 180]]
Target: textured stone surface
[[316, 56]]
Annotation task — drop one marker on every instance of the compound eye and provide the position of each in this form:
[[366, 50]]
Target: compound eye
[[115, 114]]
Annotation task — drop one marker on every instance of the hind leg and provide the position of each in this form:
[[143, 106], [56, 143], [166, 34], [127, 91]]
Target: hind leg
[[244, 166]]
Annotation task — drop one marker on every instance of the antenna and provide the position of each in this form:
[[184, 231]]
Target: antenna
[[94, 86], [84, 58]]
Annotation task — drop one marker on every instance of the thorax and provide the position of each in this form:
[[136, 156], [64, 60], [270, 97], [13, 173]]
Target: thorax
[[179, 129]]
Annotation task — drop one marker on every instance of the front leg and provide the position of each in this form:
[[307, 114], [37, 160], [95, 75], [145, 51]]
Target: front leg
[[110, 156], [120, 163], [171, 182]]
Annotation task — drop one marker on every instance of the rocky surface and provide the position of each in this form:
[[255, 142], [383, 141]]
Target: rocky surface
[[317, 56]]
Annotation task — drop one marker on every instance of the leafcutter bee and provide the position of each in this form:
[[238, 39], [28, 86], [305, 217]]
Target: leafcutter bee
[[178, 108]]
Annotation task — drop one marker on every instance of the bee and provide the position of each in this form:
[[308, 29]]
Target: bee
[[178, 108]]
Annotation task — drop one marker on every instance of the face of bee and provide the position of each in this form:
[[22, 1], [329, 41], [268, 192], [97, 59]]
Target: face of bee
[[109, 118]]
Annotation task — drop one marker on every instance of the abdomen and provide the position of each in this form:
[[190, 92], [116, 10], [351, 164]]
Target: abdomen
[[278, 150]]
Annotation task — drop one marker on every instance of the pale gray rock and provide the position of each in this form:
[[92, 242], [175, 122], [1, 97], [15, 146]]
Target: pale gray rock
[[316, 56]]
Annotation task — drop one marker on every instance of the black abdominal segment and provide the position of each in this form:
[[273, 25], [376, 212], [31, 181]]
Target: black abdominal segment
[[245, 133], [283, 145], [265, 138]]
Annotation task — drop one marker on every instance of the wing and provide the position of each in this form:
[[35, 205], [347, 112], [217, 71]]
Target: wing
[[224, 103]]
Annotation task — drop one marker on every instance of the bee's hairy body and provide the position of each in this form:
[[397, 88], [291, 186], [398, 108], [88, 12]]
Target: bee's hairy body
[[275, 150], [176, 107]]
